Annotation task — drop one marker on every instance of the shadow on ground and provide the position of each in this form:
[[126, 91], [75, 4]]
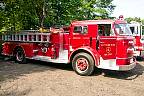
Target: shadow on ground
[[125, 75], [11, 70]]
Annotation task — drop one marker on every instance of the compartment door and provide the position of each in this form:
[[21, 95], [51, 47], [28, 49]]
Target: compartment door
[[107, 47]]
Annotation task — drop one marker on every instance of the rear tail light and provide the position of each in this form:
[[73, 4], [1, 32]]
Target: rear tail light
[[5, 48]]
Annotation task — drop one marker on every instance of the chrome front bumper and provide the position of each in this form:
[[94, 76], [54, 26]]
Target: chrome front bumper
[[127, 67]]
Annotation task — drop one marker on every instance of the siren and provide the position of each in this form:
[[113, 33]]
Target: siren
[[121, 17]]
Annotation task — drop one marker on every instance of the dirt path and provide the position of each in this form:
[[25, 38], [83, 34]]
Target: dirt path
[[45, 79]]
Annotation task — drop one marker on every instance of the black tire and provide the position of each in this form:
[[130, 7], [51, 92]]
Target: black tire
[[20, 56], [83, 64]]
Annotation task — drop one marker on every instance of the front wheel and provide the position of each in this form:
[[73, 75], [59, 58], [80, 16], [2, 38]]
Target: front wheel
[[20, 56], [83, 64]]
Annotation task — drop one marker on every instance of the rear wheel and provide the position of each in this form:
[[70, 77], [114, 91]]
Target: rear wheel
[[83, 64], [20, 56]]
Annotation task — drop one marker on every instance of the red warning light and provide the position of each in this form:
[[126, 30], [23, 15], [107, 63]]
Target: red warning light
[[121, 17]]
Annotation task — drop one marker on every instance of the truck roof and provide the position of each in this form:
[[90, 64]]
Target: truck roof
[[92, 22]]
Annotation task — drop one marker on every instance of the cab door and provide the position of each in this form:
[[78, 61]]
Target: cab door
[[107, 47], [107, 43]]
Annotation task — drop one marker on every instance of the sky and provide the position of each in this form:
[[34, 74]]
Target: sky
[[129, 8]]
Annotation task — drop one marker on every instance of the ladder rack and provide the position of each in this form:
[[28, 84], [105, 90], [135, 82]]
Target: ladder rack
[[27, 37]]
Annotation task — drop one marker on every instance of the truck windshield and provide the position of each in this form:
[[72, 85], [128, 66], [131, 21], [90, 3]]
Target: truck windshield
[[123, 29]]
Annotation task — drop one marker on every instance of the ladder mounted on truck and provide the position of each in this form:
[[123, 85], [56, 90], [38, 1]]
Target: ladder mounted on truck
[[30, 35], [27, 36]]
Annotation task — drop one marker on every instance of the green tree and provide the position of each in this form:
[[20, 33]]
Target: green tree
[[129, 19], [26, 14], [142, 20], [97, 9]]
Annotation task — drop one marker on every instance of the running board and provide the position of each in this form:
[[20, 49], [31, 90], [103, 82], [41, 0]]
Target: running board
[[48, 59]]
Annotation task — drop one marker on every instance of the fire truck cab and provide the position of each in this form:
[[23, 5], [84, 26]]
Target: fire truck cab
[[106, 44]]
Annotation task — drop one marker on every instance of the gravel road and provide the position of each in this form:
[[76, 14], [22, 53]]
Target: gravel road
[[46, 79]]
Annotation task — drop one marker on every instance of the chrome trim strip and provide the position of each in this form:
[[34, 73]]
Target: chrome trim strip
[[124, 58], [127, 67], [101, 38]]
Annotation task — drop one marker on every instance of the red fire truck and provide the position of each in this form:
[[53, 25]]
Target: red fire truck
[[87, 44], [136, 29]]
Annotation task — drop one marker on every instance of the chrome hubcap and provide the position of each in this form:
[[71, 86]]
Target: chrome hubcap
[[82, 64]]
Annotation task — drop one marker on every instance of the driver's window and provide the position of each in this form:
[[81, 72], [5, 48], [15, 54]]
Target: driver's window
[[85, 30], [101, 30], [81, 29], [77, 29], [104, 29]]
